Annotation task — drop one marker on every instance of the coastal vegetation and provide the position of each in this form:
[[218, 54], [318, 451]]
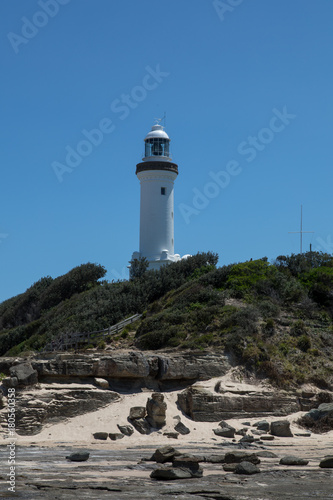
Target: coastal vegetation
[[276, 319]]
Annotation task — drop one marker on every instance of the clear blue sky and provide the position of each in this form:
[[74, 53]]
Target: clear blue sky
[[224, 72]]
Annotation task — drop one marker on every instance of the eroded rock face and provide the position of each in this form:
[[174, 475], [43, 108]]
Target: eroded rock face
[[128, 365], [55, 405], [156, 410], [204, 406]]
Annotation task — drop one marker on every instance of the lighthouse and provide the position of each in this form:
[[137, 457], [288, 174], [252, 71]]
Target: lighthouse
[[157, 173]]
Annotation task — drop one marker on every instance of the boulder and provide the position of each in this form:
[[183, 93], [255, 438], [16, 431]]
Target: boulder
[[267, 437], [141, 425], [114, 436], [181, 428], [255, 432], [247, 468], [241, 456], [24, 373], [291, 460], [323, 410], [327, 462], [215, 459], [230, 467], [226, 427], [226, 432], [127, 430], [189, 457], [156, 410], [241, 432], [281, 428], [263, 425], [10, 382], [170, 473], [165, 454], [78, 456], [101, 435], [137, 412], [247, 439], [266, 454], [171, 435], [101, 382], [190, 463]]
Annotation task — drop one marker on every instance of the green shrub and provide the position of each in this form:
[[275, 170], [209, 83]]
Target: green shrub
[[298, 328], [304, 343], [268, 327], [243, 319], [268, 309]]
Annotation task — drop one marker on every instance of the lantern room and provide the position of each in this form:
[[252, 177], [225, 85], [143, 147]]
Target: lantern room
[[157, 145]]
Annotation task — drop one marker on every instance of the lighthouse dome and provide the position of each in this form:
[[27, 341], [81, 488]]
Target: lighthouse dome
[[157, 132], [157, 145]]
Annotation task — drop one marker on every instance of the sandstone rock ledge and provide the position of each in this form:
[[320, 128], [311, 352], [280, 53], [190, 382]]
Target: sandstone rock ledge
[[52, 404], [122, 365], [204, 406]]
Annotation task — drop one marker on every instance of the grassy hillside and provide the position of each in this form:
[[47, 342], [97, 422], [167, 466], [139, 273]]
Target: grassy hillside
[[275, 319]]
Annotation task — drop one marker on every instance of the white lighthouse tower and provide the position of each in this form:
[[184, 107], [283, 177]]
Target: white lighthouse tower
[[157, 174]]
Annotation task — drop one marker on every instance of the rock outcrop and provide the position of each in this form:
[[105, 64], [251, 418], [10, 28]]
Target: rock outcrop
[[204, 406], [156, 410], [56, 404], [122, 365]]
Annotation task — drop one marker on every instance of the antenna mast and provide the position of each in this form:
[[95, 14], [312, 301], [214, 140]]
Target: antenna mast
[[301, 232]]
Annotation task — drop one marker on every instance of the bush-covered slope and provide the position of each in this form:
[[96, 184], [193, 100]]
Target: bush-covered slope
[[78, 301], [275, 319]]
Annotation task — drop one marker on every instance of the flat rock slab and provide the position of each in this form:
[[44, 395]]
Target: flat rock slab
[[98, 480]]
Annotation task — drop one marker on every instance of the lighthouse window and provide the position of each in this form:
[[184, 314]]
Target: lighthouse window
[[163, 190], [157, 147]]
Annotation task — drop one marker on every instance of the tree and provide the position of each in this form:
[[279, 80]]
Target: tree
[[138, 267]]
